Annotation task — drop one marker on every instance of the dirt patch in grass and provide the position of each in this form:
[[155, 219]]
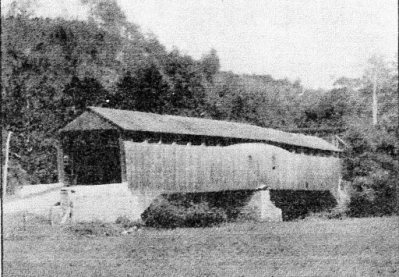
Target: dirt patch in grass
[[122, 226], [96, 228]]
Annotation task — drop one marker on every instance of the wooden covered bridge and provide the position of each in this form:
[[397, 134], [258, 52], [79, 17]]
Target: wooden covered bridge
[[168, 154]]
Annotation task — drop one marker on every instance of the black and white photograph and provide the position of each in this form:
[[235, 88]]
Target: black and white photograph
[[199, 138]]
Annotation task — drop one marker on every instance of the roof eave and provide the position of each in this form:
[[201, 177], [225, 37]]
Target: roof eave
[[91, 110]]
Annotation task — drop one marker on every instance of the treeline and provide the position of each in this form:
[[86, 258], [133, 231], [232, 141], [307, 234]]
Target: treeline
[[52, 69]]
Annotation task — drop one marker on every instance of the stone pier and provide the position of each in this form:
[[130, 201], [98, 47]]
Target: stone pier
[[263, 206]]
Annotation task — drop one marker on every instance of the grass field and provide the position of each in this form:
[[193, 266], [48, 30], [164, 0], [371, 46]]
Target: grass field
[[349, 247]]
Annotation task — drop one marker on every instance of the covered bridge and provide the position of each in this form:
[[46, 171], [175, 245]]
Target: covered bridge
[[111, 146], [132, 157]]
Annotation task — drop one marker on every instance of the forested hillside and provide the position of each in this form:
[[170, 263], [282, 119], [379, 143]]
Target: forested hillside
[[52, 69]]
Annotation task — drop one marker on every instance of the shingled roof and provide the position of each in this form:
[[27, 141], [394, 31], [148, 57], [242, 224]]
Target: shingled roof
[[104, 118]]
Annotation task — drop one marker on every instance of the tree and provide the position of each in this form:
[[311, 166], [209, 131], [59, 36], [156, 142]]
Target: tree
[[256, 99], [144, 90], [107, 14], [376, 76], [187, 87], [79, 94], [210, 65], [370, 162]]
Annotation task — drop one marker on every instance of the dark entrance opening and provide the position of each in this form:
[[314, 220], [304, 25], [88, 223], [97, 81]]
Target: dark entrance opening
[[97, 166], [93, 158]]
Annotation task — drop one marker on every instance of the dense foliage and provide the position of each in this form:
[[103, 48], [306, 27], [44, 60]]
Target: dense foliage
[[198, 209], [52, 69]]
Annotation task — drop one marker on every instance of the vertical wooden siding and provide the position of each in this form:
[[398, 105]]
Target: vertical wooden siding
[[186, 168]]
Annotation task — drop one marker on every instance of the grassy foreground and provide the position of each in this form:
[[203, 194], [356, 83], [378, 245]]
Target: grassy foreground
[[349, 247]]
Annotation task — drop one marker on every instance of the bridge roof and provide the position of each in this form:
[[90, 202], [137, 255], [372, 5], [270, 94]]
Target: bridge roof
[[96, 118]]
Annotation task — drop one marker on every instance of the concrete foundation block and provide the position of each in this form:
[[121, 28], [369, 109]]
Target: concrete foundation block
[[266, 210], [343, 195], [107, 202]]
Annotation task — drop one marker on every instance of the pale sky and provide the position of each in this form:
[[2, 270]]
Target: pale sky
[[315, 41]]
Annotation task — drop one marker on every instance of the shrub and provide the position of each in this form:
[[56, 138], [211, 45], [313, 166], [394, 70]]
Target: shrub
[[201, 215], [167, 213], [17, 177], [127, 223], [335, 213], [373, 196], [297, 204], [370, 164]]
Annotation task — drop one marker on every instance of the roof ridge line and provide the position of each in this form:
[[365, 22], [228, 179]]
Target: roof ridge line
[[91, 109], [295, 139]]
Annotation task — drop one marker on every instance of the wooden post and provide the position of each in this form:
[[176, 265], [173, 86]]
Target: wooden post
[[397, 158], [122, 153], [5, 170], [60, 162]]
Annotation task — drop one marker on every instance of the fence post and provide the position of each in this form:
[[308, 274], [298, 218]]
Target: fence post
[[5, 170]]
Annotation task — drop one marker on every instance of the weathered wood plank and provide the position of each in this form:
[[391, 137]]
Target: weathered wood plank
[[182, 168]]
